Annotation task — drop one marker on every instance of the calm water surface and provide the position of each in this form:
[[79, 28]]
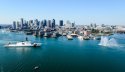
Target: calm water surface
[[60, 55]]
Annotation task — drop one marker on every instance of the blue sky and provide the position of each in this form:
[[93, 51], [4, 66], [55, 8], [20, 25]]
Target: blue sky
[[80, 11]]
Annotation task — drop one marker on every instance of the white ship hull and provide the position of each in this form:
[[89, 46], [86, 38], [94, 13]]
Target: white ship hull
[[24, 44]]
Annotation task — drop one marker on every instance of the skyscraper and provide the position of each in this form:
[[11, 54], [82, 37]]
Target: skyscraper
[[41, 24], [44, 23], [26, 24], [73, 24], [18, 25], [22, 23], [36, 22], [95, 25], [53, 23], [68, 24], [30, 22], [14, 24], [49, 23], [61, 23]]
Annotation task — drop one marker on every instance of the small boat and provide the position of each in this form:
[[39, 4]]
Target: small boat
[[74, 35], [69, 37], [86, 38], [36, 67], [54, 35], [81, 37], [23, 44], [64, 34]]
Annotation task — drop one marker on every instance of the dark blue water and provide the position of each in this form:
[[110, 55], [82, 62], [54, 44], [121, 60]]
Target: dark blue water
[[60, 55]]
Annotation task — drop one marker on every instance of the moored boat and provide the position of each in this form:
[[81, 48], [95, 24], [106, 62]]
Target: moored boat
[[81, 37], [86, 38], [69, 37]]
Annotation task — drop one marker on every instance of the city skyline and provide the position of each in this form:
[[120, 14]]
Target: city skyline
[[81, 11]]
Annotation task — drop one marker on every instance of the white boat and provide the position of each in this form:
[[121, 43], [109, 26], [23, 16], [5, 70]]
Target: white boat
[[23, 44], [86, 38], [81, 37], [69, 37], [74, 35], [36, 67]]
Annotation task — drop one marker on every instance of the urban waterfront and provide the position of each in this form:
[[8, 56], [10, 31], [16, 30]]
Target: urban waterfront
[[60, 55], [62, 36]]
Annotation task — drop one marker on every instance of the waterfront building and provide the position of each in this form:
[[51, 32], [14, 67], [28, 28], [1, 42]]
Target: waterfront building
[[107, 29], [120, 29], [86, 27], [68, 24], [87, 33]]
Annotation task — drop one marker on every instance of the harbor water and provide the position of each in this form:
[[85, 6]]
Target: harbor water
[[60, 55]]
